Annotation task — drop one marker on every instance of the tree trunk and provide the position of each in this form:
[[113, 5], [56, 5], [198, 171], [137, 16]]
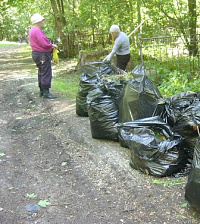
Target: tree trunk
[[139, 18], [60, 22], [193, 47]]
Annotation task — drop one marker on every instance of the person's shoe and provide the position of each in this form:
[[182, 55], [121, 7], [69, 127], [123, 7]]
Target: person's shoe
[[47, 94], [41, 91]]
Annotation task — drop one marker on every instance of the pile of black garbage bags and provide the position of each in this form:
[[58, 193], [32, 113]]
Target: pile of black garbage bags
[[162, 134]]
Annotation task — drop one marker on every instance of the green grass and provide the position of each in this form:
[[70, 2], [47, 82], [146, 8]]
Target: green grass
[[67, 84], [9, 44], [172, 182]]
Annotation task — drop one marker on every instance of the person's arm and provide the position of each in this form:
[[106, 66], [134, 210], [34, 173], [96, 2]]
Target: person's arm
[[116, 46]]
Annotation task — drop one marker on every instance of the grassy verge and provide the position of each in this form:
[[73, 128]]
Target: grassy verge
[[8, 44], [67, 84]]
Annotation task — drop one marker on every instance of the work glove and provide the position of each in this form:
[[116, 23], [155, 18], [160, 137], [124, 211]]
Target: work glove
[[54, 46], [108, 58]]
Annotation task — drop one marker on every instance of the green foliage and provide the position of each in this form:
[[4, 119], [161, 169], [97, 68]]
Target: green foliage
[[16, 17], [172, 82], [31, 195], [94, 17], [184, 205], [169, 67], [44, 203], [2, 154], [175, 82]]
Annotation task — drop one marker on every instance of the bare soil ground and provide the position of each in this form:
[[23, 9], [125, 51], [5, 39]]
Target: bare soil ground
[[48, 151]]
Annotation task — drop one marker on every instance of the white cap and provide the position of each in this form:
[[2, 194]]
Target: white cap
[[114, 29], [36, 18]]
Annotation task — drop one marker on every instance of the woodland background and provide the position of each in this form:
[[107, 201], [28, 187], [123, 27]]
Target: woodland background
[[169, 35], [77, 22]]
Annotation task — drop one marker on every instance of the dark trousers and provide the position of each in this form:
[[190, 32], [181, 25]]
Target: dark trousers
[[122, 61], [43, 62]]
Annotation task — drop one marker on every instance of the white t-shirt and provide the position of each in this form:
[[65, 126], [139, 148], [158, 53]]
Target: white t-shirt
[[121, 45]]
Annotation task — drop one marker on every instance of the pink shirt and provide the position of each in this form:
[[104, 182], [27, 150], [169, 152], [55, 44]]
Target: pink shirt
[[38, 40]]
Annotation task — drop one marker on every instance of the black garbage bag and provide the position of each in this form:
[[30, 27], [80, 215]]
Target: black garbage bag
[[104, 68], [91, 75], [155, 148], [114, 89], [140, 98], [183, 114], [89, 78], [81, 106], [192, 189], [178, 104], [103, 114]]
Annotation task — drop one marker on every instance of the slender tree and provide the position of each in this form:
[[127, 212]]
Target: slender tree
[[60, 24], [193, 46]]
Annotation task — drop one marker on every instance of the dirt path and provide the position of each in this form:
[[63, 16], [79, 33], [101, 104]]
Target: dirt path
[[47, 153]]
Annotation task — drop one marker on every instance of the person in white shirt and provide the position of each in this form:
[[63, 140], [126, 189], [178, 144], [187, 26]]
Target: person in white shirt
[[121, 47]]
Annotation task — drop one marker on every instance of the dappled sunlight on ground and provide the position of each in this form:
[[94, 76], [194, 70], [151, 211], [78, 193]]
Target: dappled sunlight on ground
[[13, 76], [17, 66], [60, 109], [63, 66], [21, 65], [11, 43]]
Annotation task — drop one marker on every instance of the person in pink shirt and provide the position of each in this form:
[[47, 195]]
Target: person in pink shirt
[[41, 54]]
